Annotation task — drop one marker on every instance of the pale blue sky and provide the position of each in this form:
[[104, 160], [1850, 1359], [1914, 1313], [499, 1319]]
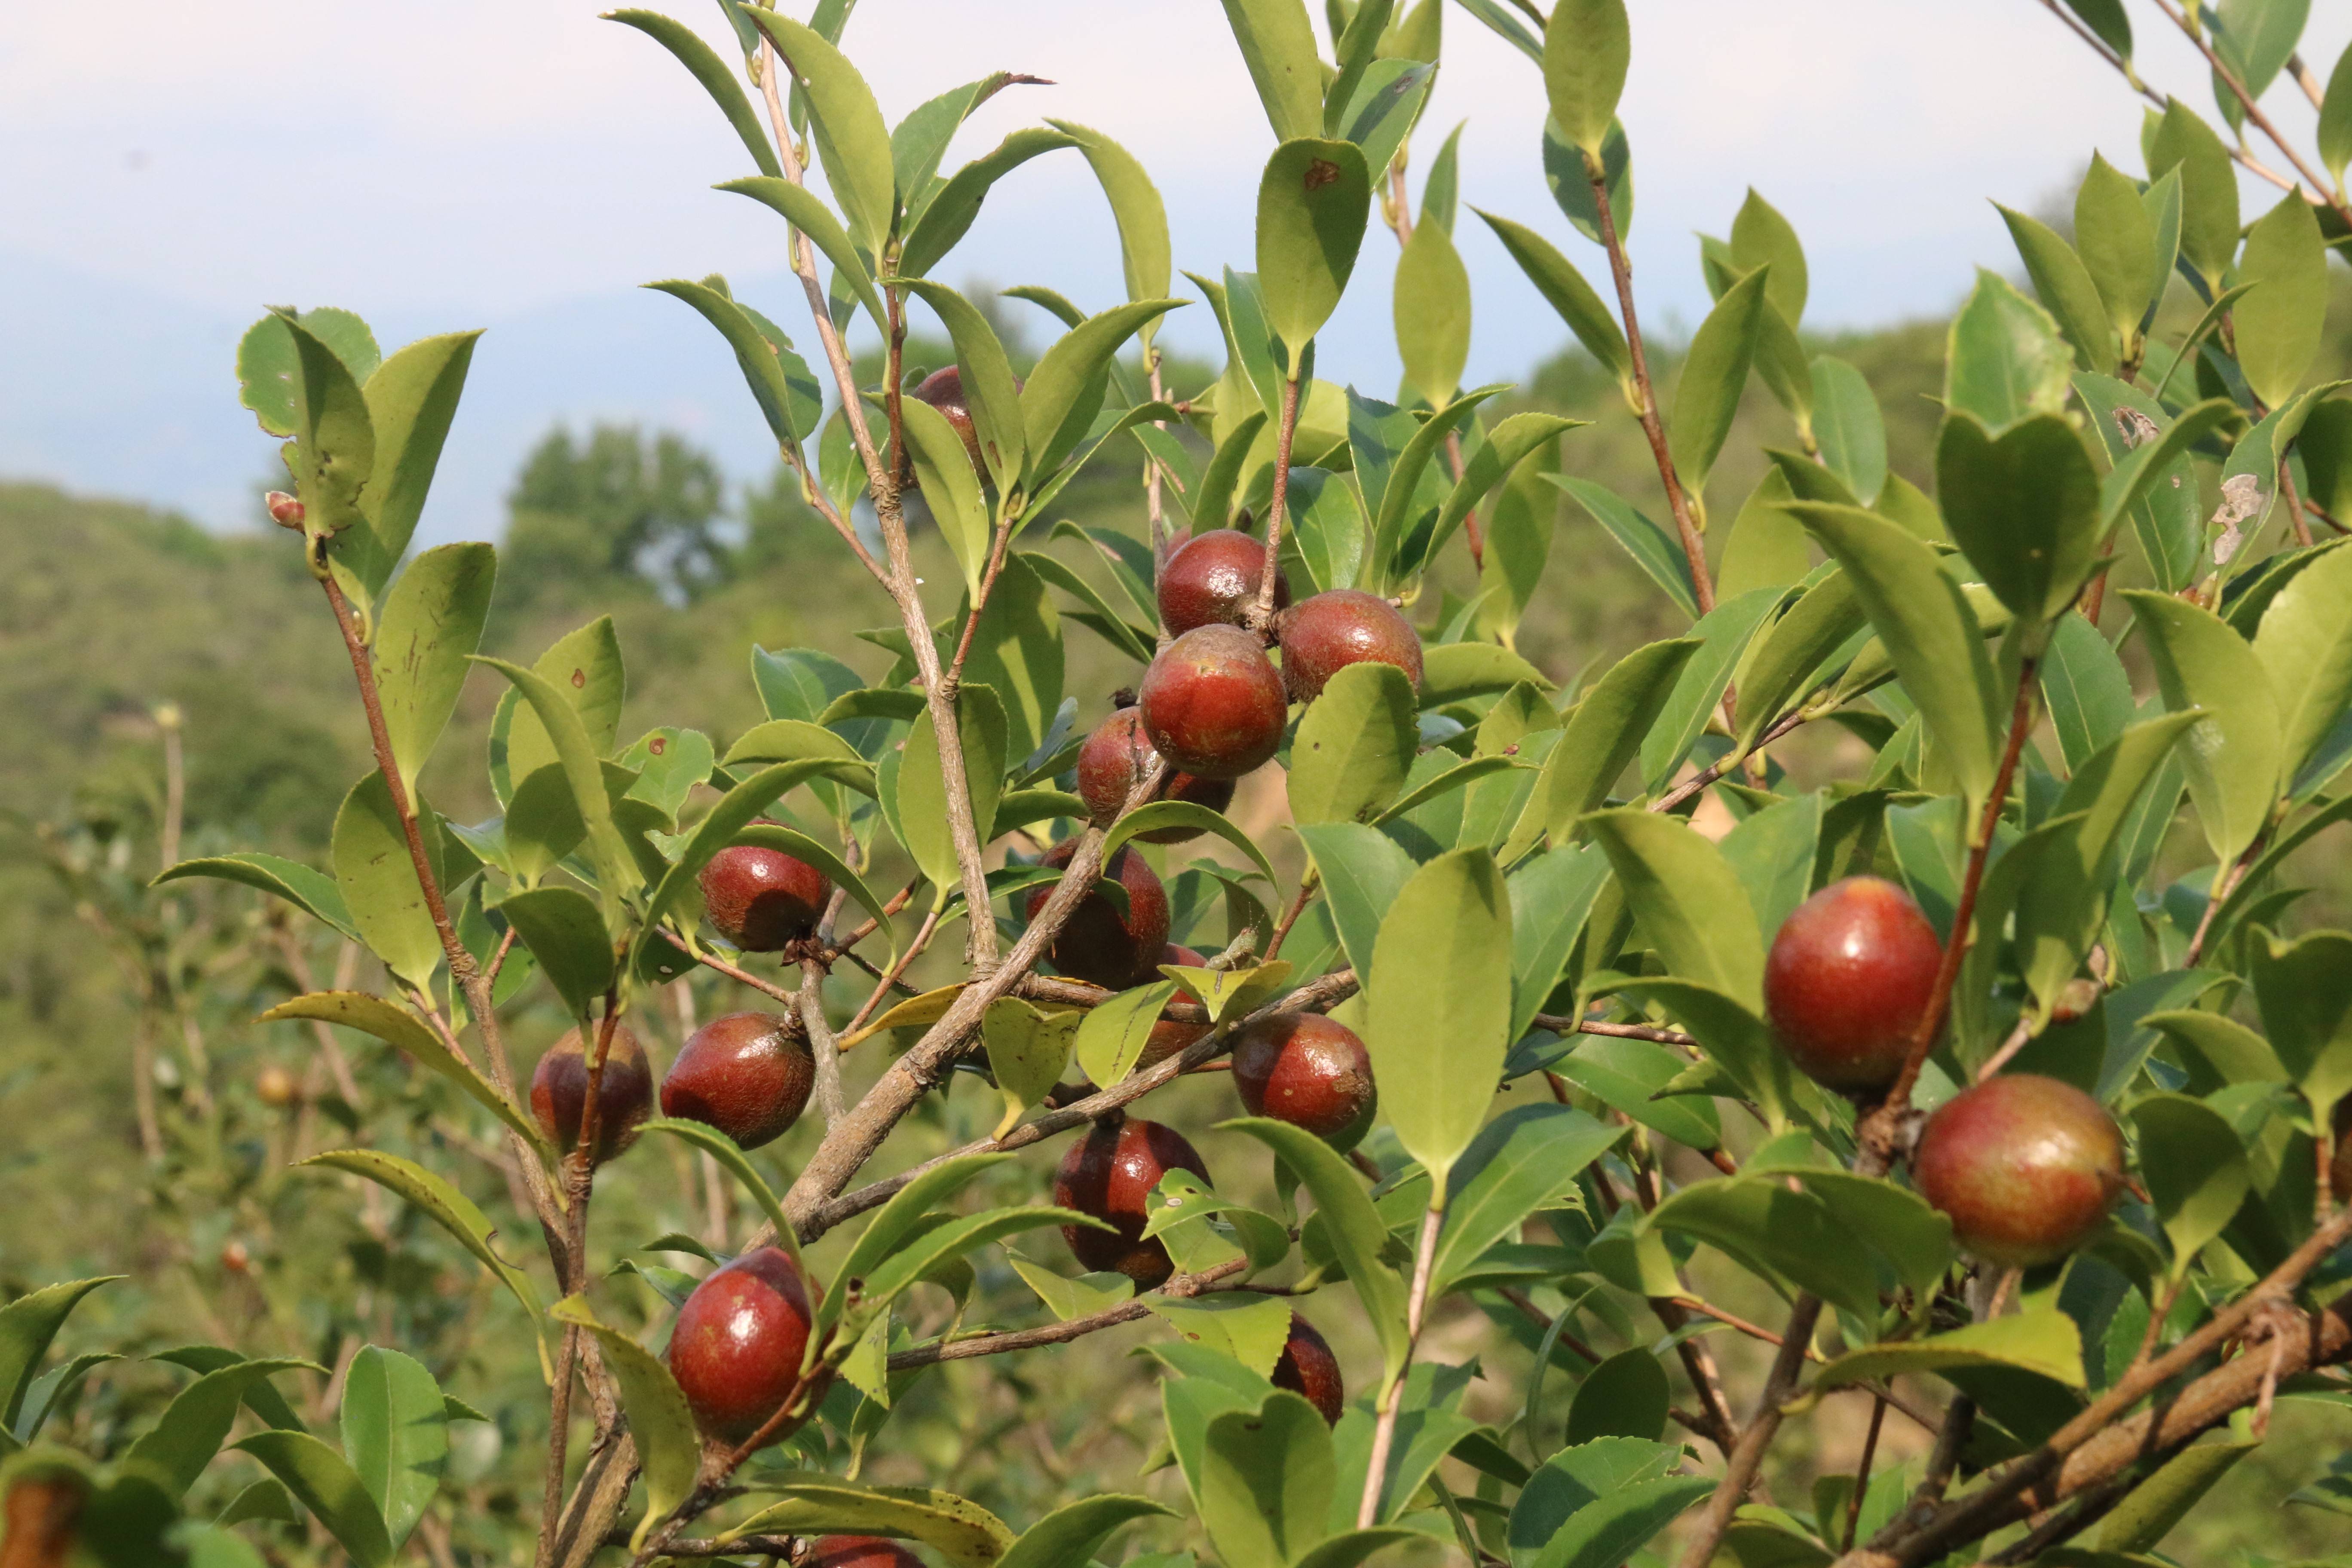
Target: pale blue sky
[[522, 164]]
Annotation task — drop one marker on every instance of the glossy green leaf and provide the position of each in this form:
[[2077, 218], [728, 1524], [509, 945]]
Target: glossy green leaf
[[724, 823], [2116, 237], [2304, 643], [712, 72], [185, 1438], [1760, 236], [1504, 448], [2208, 190], [1313, 203], [1441, 972], [1734, 1037], [2039, 1340], [1354, 1227], [1362, 872], [770, 369], [1113, 1035], [951, 212], [1165, 813], [991, 391], [448, 1208], [1659, 555], [2304, 989], [1454, 670], [1564, 289], [1401, 494], [1136, 207], [1278, 44], [2334, 132], [428, 628], [922, 804], [1052, 418], [330, 1489], [2025, 507], [617, 872], [807, 211], [1914, 1240], [1631, 1078], [1071, 1536], [853, 141], [2233, 756], [1688, 900], [586, 663], [2166, 515], [1849, 426], [267, 363], [411, 398], [729, 1154], [1775, 1233], [2280, 322], [2065, 286], [1520, 1162], [1724, 636], [1587, 45], [1027, 1049], [2148, 1512], [1791, 659], [1624, 1396], [1354, 746], [395, 1435], [314, 893], [1552, 893], [1383, 109], [377, 878], [1603, 736], [670, 1450], [334, 438], [1714, 373], [566, 933], [1431, 305], [1928, 629], [963, 1531], [2195, 1168], [1017, 653], [404, 1030], [27, 1325], [2005, 358], [1267, 1479]]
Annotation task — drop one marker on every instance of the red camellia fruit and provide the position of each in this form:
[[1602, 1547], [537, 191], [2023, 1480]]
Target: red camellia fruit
[[1325, 634], [1849, 976], [737, 1345], [763, 900], [1106, 1175], [1308, 1367], [943, 390], [1304, 1068], [860, 1552], [1212, 702], [559, 1093], [1212, 580], [1097, 944], [747, 1074], [1116, 754], [2026, 1166]]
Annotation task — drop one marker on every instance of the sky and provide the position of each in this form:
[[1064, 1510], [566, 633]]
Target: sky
[[523, 165]]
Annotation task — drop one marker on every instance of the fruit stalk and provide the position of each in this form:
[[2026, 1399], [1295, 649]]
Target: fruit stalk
[[1127, 1311], [1271, 573]]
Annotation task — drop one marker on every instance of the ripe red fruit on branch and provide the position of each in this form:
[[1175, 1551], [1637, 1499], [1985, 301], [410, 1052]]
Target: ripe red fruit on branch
[[860, 1552], [763, 900], [747, 1074], [1106, 1175], [1848, 979], [2026, 1166], [1308, 1367], [1212, 580], [1212, 702], [1342, 627], [1303, 1068], [943, 390], [1116, 754], [1097, 943], [558, 1093], [736, 1349]]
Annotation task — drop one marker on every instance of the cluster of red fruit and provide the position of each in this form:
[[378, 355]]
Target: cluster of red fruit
[[2027, 1167]]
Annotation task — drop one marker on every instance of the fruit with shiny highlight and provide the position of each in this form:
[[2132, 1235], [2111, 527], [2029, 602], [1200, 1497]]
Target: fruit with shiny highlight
[[1106, 1175], [1213, 703], [747, 1074]]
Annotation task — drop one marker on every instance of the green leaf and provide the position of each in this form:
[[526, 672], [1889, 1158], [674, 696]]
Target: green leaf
[[737, 1165], [264, 1500], [428, 630], [2116, 237], [1760, 236], [399, 1027], [670, 1450], [2209, 191], [2065, 288], [2305, 642], [2232, 755], [1363, 871], [2006, 361], [1915, 1240], [448, 1208], [1027, 1050], [728, 822], [334, 440], [1358, 1234], [1849, 426], [992, 392], [1354, 746], [1606, 1532], [1688, 900], [2164, 512], [1789, 660], [1313, 203], [712, 72], [1442, 972], [1759, 1224], [853, 142], [940, 1244], [1604, 734], [1115, 1031], [769, 368], [1624, 1396], [1520, 1162], [267, 363], [2039, 1340], [1017, 653], [1165, 813], [1136, 207], [330, 1489], [1929, 630], [377, 880], [1452, 671], [313, 892], [1715, 373], [1587, 45], [2147, 1514], [586, 663], [1659, 555], [805, 211], [1267, 1479], [1354, 44], [566, 933], [963, 1531], [1072, 1535], [1552, 893], [1724, 636], [1278, 44], [950, 214], [1564, 289], [1052, 415], [1431, 305], [2304, 989], [2025, 507], [1400, 498], [1385, 106], [395, 1436], [411, 399], [2280, 321], [27, 1325], [2195, 1168], [1250, 1328], [899, 1222], [2336, 117], [1734, 1037], [570, 737]]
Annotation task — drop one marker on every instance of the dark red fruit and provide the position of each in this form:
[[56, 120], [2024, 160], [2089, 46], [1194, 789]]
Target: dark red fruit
[[1340, 627], [1106, 1175], [1303, 1068], [1213, 579], [1168, 1037], [1095, 944], [736, 1349], [943, 390], [2339, 1169], [763, 900], [1308, 1367], [2026, 1166], [1116, 754], [1849, 976], [747, 1074], [860, 1552], [558, 1093], [1212, 702]]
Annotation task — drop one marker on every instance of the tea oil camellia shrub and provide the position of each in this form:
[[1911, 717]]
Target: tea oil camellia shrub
[[1879, 1006]]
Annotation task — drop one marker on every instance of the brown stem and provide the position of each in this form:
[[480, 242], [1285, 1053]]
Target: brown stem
[[2254, 112], [2301, 525], [579, 1176], [1127, 1311], [890, 976], [711, 961], [1559, 1024], [1307, 886], [1542, 1319], [1470, 531], [1739, 1474], [822, 1049], [1862, 1474], [1155, 516], [1621, 267], [176, 785], [1384, 1417], [2218, 895], [1729, 761], [1271, 571]]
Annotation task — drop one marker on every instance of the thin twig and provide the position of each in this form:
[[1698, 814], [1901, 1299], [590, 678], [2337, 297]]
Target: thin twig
[[1862, 1473], [1384, 1417], [1127, 1311], [2317, 195], [1729, 761]]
